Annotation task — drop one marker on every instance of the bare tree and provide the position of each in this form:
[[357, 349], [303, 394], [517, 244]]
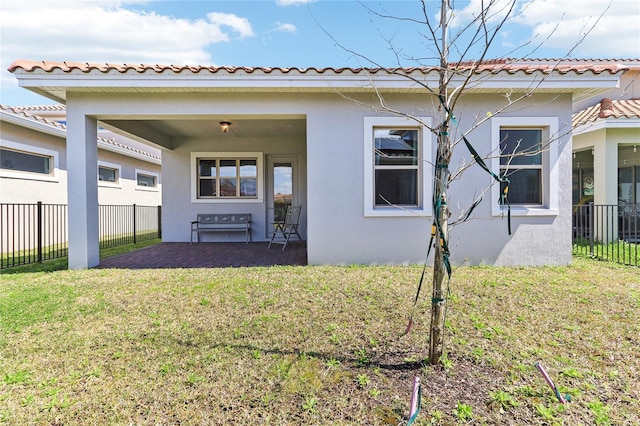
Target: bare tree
[[473, 38]]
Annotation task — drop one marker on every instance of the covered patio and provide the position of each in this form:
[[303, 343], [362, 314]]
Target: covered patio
[[209, 255]]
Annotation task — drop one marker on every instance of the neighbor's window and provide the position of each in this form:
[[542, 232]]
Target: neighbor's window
[[396, 167], [107, 174], [521, 162], [227, 177], [146, 180], [629, 185], [25, 162]]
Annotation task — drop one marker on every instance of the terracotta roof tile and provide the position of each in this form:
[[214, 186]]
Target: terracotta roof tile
[[54, 107], [493, 66], [33, 117], [20, 111], [607, 108], [562, 66]]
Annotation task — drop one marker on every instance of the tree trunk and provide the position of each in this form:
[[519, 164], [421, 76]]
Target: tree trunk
[[438, 296], [441, 211]]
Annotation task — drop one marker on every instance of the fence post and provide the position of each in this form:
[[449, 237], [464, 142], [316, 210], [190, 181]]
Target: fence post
[[592, 219], [135, 240], [159, 221], [39, 230]]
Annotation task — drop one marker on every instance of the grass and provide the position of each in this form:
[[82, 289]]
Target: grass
[[60, 263], [57, 254], [620, 251], [317, 345]]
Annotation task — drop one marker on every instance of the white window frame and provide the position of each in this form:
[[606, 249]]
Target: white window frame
[[425, 187], [150, 174], [258, 156], [550, 173], [54, 162], [117, 168]]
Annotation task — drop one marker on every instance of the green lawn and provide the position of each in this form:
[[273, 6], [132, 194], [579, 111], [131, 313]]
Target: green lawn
[[317, 345]]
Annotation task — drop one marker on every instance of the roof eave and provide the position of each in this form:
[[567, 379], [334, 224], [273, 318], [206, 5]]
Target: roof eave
[[32, 124], [609, 123]]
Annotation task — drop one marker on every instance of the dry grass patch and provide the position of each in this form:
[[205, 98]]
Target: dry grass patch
[[317, 345]]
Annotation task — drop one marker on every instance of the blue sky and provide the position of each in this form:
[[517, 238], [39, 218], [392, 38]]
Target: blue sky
[[289, 33]]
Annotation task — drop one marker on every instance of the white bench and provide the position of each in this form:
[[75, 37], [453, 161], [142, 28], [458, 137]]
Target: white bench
[[227, 222]]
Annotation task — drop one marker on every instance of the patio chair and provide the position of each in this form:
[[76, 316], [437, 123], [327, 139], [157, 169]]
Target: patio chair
[[286, 228]]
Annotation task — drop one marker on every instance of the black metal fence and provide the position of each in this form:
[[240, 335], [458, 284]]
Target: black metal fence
[[607, 232], [120, 225], [31, 233]]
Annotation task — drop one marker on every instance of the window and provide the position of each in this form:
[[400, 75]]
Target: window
[[108, 174], [23, 161], [227, 176], [521, 163], [396, 167], [629, 185], [146, 180], [396, 152], [528, 149]]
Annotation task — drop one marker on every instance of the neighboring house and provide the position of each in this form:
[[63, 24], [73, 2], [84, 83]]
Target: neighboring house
[[606, 143], [33, 161], [321, 136]]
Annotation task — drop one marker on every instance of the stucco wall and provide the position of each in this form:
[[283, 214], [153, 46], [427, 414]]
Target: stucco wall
[[179, 210], [32, 188], [352, 238], [332, 166], [127, 191]]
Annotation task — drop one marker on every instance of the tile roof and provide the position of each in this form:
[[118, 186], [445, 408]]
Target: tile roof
[[20, 112], [54, 107], [607, 108], [494, 66]]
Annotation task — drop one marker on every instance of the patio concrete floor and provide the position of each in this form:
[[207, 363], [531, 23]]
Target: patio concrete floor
[[209, 255]]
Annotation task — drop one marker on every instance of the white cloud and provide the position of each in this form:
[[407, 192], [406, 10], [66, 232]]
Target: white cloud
[[564, 22], [284, 27], [240, 25], [498, 10], [560, 24], [104, 31]]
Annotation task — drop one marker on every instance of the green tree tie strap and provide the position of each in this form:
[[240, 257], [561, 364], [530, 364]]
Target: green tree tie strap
[[503, 181]]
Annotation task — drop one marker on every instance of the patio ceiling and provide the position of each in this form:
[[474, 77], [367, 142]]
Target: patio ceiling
[[166, 131]]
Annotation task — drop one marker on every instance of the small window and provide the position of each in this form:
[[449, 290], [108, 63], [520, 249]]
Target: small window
[[146, 180], [107, 174], [223, 177], [521, 162], [396, 167], [397, 159], [528, 149], [25, 162]]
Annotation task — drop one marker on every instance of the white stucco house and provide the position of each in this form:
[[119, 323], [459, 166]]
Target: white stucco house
[[33, 161], [362, 175]]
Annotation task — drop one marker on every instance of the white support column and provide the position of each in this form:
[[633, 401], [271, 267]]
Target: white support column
[[605, 174], [82, 172]]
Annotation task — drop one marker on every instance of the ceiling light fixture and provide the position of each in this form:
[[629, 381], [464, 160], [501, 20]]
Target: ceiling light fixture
[[224, 126]]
